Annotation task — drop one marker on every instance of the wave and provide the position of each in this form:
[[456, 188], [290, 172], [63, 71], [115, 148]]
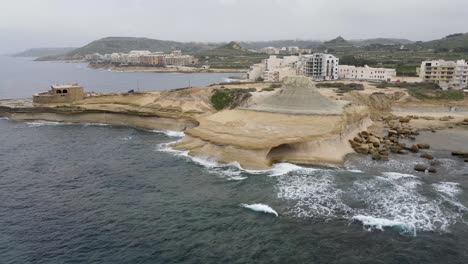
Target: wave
[[449, 192], [169, 133], [46, 123], [448, 188], [371, 223], [260, 208], [4, 118]]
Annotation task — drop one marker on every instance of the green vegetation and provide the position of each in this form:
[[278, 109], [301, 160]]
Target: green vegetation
[[276, 85], [342, 87], [429, 94], [230, 98], [230, 56], [425, 90], [127, 44], [221, 99]]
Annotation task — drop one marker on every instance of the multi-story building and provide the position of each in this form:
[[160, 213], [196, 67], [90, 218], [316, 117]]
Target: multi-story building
[[273, 69], [461, 74], [318, 66], [365, 73], [448, 74]]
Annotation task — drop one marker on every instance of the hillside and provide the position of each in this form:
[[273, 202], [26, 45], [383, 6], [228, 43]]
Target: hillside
[[380, 41], [256, 45], [456, 42], [231, 55], [41, 52], [127, 44]]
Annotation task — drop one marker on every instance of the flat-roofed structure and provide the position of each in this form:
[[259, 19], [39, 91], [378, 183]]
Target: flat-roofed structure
[[65, 93]]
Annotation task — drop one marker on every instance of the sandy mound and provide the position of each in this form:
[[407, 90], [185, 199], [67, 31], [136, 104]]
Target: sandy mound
[[298, 96]]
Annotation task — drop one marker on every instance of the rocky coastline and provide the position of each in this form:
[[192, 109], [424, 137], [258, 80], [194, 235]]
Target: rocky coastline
[[255, 134]]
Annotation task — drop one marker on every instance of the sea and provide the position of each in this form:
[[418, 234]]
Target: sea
[[95, 193]]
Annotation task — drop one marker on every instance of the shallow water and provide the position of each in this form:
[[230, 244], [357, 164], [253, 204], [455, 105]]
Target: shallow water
[[74, 193]]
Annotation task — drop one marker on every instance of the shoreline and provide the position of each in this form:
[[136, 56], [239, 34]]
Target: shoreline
[[176, 69], [254, 139]]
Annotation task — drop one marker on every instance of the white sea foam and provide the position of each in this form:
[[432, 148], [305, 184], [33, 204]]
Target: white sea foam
[[448, 191], [396, 175], [4, 118], [170, 133], [449, 188], [395, 196], [312, 194], [260, 208], [371, 223], [94, 124], [45, 123]]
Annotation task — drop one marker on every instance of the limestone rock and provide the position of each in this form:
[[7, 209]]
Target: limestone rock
[[376, 156], [414, 149], [403, 152], [427, 156], [424, 146], [420, 167], [405, 119]]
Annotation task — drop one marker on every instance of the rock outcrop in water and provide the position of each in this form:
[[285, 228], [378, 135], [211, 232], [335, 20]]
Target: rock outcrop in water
[[295, 124]]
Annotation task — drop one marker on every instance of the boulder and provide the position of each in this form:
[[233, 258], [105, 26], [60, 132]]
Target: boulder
[[363, 149], [424, 146], [403, 152], [444, 118], [435, 163], [395, 149], [420, 167], [414, 149], [376, 156], [357, 139], [460, 154], [392, 132], [465, 120], [384, 158], [404, 119], [432, 170], [427, 156]]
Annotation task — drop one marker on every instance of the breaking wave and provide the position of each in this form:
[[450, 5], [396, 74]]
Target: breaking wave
[[170, 133], [389, 200], [372, 223], [260, 208]]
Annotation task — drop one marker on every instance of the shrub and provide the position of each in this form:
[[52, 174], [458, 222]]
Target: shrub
[[221, 99], [275, 85]]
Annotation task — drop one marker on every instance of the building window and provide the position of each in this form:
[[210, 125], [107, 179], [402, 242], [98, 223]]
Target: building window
[[59, 91], [65, 91]]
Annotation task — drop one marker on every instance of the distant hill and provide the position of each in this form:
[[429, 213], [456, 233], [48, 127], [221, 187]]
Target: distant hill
[[456, 42], [380, 41], [41, 52], [231, 49], [257, 45], [231, 55], [127, 44]]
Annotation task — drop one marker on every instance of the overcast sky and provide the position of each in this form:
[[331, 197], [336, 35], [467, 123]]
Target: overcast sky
[[58, 23]]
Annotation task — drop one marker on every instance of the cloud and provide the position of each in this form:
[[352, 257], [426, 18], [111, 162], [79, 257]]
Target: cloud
[[31, 23]]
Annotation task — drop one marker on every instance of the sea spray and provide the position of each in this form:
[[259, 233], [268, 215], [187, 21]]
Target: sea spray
[[371, 223], [260, 208]]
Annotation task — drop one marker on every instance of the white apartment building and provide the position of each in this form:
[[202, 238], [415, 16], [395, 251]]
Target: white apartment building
[[365, 73], [274, 69], [461, 74], [448, 74], [318, 66]]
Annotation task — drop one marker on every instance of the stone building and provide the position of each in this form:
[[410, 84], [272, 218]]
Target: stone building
[[58, 94]]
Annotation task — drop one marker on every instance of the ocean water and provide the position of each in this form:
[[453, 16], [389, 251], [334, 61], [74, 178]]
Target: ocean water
[[22, 77], [94, 193]]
